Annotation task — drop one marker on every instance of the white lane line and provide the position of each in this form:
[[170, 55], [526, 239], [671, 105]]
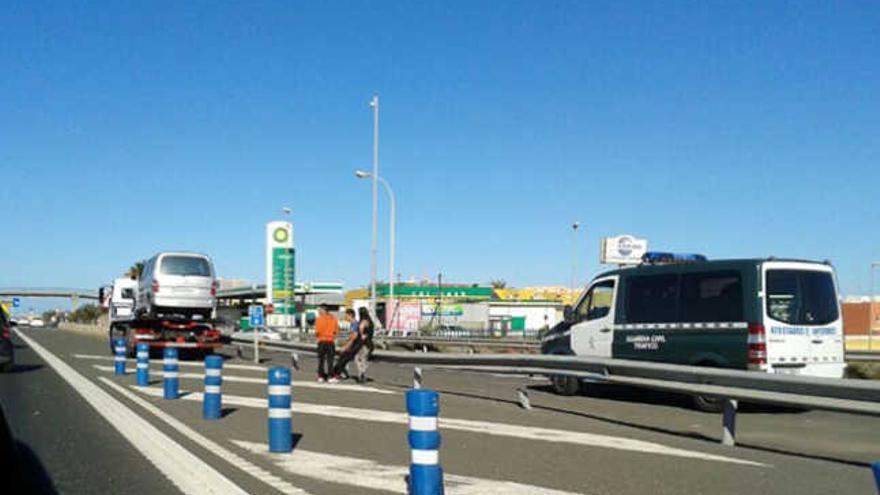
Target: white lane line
[[231, 366], [262, 381], [485, 427], [233, 459], [365, 473], [187, 472]]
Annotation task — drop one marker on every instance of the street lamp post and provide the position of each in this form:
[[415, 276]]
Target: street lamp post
[[392, 209], [375, 104], [574, 228]]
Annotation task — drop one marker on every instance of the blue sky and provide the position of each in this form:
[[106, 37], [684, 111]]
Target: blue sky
[[730, 129]]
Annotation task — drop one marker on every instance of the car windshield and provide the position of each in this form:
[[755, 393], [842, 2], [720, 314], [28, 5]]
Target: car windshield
[[185, 265], [801, 297]]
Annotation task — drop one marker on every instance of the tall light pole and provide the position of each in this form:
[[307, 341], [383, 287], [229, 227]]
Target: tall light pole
[[871, 295], [391, 222], [574, 228], [375, 104]]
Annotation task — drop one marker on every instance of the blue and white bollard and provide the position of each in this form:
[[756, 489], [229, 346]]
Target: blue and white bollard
[[425, 473], [211, 406], [280, 433], [169, 369], [119, 348], [143, 364]]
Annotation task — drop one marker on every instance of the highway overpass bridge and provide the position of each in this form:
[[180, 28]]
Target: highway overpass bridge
[[73, 294]]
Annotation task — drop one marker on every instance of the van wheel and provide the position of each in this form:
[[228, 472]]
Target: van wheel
[[565, 385], [708, 404]]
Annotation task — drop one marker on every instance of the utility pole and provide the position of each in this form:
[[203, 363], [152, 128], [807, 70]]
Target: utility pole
[[574, 228]]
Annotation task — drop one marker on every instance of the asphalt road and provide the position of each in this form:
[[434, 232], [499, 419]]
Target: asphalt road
[[352, 439]]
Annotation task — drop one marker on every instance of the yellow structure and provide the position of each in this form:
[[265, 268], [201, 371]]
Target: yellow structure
[[551, 293]]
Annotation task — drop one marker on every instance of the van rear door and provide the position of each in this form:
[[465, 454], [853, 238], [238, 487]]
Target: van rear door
[[186, 277], [804, 330]]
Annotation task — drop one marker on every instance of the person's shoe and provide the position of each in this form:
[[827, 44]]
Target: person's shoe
[[333, 379], [321, 379], [362, 378]]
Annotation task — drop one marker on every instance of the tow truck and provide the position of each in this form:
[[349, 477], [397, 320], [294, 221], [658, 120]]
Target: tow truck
[[171, 331]]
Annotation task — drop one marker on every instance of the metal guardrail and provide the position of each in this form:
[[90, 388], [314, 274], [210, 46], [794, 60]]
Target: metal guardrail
[[863, 356], [841, 395], [517, 343]]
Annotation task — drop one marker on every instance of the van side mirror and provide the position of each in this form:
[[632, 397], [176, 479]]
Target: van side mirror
[[568, 313]]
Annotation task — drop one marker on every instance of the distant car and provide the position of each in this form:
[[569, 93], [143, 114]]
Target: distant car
[[7, 350], [37, 323], [267, 334], [22, 323], [176, 285]]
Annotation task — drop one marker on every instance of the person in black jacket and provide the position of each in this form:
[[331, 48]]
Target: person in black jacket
[[365, 331]]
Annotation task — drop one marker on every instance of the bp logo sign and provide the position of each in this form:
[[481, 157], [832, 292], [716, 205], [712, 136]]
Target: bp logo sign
[[280, 234]]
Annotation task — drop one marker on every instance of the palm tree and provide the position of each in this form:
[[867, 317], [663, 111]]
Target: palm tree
[[135, 270], [498, 283]]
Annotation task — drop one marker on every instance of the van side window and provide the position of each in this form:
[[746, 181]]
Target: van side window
[[597, 304], [651, 299], [712, 296]]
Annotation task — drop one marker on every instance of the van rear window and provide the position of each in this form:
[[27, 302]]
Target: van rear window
[[801, 297], [185, 265]]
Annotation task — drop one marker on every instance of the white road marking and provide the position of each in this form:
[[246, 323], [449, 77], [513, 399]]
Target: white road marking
[[262, 381], [186, 471], [365, 473], [231, 366], [224, 453], [485, 427]]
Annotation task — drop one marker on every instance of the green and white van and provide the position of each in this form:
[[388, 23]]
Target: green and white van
[[769, 315]]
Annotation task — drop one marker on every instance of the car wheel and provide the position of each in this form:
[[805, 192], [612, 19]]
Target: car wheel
[[565, 385]]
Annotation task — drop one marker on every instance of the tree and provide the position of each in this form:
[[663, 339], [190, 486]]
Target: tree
[[87, 313], [135, 270], [499, 283]]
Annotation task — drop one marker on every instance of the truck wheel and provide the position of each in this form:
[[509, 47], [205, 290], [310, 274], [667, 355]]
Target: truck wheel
[[565, 385]]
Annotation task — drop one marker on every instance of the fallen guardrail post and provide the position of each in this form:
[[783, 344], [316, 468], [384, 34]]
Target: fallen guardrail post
[[170, 374], [425, 473], [523, 396], [119, 348], [212, 401], [728, 436], [143, 364], [280, 433]]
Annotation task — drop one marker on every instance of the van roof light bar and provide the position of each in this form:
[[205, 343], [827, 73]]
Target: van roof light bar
[[658, 258]]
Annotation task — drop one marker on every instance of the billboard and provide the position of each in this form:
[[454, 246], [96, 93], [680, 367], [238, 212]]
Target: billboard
[[280, 270], [404, 317], [622, 250]]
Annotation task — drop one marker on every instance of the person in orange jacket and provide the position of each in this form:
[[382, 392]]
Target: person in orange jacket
[[326, 328]]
